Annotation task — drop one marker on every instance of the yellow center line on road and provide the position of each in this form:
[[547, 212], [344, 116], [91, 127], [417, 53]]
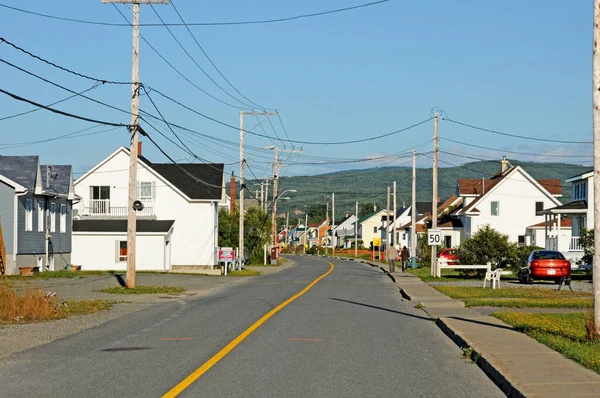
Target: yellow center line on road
[[211, 362]]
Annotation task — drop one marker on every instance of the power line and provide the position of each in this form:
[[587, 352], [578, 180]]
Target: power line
[[515, 135], [193, 60], [173, 67], [52, 104], [264, 21], [2, 39], [210, 60], [71, 115], [517, 153], [75, 134], [291, 141], [63, 87]]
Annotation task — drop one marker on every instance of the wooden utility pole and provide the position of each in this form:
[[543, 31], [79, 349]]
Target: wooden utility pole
[[305, 231], [434, 202], [266, 193], [332, 223], [413, 217], [356, 232], [394, 219], [134, 129], [241, 215], [596, 117], [275, 183], [387, 220]]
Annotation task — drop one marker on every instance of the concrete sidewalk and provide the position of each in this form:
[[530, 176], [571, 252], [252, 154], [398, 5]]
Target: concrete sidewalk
[[518, 364]]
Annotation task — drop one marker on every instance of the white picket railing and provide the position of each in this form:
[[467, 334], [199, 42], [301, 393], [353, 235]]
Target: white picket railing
[[103, 208], [574, 244]]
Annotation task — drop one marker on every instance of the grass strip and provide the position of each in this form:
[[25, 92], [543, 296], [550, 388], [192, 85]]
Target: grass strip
[[244, 272], [565, 333], [143, 290], [517, 297]]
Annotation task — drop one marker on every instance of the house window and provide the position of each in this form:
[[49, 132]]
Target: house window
[[40, 216], [539, 206], [374, 230], [146, 191], [63, 218], [495, 208], [100, 199], [521, 240], [121, 251], [29, 215], [583, 192], [52, 217]]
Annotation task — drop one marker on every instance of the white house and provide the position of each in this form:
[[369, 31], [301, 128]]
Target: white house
[[344, 228], [565, 238], [508, 202], [369, 225], [177, 228]]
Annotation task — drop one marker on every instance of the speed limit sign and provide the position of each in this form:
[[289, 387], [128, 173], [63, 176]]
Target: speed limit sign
[[434, 237]]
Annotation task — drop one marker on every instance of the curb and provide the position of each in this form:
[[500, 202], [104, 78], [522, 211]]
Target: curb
[[480, 360], [490, 370]]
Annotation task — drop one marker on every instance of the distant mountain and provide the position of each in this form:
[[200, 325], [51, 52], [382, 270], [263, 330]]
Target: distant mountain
[[370, 185]]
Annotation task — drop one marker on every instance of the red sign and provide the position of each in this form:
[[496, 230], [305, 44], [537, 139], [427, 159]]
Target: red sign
[[226, 254]]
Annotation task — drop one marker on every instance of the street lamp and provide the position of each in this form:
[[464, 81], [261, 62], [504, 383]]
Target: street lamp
[[275, 199]]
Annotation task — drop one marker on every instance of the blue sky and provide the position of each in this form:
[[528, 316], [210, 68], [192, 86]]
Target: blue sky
[[522, 67]]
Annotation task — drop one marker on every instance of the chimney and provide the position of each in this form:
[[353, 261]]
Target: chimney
[[374, 206], [504, 163], [347, 214], [232, 194], [139, 148]]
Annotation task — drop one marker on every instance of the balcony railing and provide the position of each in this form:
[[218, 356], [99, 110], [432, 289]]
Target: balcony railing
[[104, 208]]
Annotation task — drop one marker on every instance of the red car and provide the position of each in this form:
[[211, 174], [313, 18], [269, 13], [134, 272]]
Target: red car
[[449, 255], [547, 265]]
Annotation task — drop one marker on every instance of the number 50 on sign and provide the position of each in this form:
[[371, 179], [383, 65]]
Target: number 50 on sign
[[434, 237]]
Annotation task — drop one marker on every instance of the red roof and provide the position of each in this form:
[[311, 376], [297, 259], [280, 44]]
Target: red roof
[[567, 223], [553, 186]]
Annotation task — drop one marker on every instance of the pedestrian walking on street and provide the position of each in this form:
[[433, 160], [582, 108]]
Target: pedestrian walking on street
[[392, 255], [405, 255]]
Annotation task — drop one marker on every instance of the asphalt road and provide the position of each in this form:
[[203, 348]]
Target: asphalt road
[[350, 335]]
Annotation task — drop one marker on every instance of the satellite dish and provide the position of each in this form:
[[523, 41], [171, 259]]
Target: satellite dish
[[138, 205]]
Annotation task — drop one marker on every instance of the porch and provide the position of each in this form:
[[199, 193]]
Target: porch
[[561, 233]]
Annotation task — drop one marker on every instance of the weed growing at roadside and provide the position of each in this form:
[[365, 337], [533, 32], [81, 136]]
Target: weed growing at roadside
[[143, 290]]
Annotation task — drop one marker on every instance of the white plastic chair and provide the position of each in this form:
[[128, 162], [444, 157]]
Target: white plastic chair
[[493, 277]]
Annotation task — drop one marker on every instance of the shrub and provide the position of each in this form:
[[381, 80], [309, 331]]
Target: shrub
[[587, 243], [487, 245]]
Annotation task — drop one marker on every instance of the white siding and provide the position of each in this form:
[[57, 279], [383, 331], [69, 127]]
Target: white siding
[[99, 252], [516, 196], [194, 231]]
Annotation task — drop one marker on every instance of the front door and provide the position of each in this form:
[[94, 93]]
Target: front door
[[448, 241]]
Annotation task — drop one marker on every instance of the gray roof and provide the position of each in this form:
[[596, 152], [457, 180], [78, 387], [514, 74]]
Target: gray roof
[[60, 179], [20, 169], [121, 225], [422, 208]]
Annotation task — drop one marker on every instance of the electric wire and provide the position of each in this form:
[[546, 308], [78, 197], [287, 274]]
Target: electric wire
[[59, 112], [514, 135], [75, 134], [291, 141], [194, 61], [515, 152], [103, 81], [210, 60], [52, 104], [264, 21], [173, 67]]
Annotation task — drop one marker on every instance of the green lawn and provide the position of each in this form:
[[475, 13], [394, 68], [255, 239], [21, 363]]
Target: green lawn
[[517, 297], [565, 333], [143, 290], [57, 274]]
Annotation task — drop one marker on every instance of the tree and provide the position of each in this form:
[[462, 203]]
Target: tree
[[366, 208], [487, 245], [586, 240], [257, 231], [316, 212]]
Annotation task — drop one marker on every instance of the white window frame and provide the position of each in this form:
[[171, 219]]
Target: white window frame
[[28, 214], [497, 208], [52, 217], [150, 185], [118, 256], [41, 215], [375, 230], [536, 205], [63, 218]]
